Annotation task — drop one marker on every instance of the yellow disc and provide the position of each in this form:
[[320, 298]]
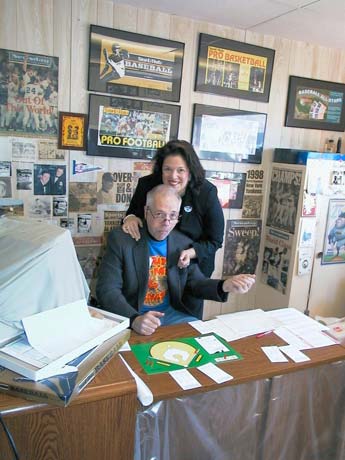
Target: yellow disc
[[173, 352]]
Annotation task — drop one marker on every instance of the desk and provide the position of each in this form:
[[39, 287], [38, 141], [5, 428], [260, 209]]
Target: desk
[[99, 424], [270, 411]]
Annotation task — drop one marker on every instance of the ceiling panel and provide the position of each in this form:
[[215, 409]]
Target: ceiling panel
[[315, 21]]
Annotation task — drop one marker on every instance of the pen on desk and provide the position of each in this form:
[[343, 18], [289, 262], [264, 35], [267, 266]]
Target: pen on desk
[[262, 334], [198, 358], [163, 364]]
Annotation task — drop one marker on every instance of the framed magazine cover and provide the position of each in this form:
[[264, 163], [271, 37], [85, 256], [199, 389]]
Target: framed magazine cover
[[315, 104], [224, 134], [129, 128], [29, 94], [135, 65], [234, 69], [334, 239]]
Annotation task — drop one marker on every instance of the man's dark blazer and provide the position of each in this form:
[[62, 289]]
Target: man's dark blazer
[[124, 271]]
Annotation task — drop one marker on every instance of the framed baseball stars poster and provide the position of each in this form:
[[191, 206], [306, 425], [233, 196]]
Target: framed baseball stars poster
[[315, 104], [234, 69], [129, 128], [135, 65]]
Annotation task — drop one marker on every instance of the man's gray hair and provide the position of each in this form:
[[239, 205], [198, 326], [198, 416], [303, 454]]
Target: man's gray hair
[[166, 190]]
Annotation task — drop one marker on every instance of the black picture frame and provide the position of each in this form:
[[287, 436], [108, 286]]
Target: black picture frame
[[133, 128], [315, 104], [224, 134], [231, 68], [134, 65]]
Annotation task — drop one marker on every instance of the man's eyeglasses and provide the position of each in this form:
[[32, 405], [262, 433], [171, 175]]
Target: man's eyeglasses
[[162, 216]]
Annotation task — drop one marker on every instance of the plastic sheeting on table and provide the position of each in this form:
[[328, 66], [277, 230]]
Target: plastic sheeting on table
[[296, 416], [39, 269]]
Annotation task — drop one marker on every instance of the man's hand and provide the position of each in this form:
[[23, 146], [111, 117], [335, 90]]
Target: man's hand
[[131, 226], [239, 284], [147, 323]]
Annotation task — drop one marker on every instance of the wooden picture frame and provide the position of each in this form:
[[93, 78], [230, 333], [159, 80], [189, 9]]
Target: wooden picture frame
[[315, 104], [224, 134], [72, 131], [129, 128], [230, 68], [135, 65]]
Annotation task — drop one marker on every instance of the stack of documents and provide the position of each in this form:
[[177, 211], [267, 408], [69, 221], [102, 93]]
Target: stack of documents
[[291, 325], [55, 337]]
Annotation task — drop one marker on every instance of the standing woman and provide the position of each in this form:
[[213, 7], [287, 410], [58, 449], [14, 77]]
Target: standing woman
[[176, 164]]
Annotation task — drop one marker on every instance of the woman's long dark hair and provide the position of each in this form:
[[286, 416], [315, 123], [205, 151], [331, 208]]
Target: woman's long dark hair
[[187, 152]]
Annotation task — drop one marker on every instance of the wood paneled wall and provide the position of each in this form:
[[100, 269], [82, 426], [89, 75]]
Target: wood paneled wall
[[61, 28]]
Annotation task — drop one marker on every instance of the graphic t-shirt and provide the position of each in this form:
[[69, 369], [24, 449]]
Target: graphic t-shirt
[[157, 296]]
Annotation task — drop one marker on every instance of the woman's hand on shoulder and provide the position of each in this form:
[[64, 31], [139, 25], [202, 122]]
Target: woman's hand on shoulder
[[131, 226], [185, 257]]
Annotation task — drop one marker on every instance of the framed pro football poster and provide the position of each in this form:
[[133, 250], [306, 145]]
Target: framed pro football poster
[[129, 128]]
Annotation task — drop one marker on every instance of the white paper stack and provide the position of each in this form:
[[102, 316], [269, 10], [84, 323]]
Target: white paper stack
[[54, 337]]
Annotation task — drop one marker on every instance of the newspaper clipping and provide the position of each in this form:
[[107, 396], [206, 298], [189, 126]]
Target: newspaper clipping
[[276, 260], [242, 243], [253, 194], [283, 200]]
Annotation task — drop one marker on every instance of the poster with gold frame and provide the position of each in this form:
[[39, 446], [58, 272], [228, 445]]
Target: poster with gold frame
[[135, 65], [72, 131], [230, 68]]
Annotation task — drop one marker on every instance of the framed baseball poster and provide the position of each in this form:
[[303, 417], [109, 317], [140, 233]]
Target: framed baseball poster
[[135, 65], [234, 69], [224, 134], [129, 128], [315, 104]]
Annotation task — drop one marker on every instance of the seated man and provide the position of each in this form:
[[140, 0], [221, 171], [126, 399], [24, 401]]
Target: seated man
[[141, 279]]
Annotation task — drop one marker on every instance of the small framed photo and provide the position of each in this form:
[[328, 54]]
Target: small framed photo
[[234, 69], [315, 104], [129, 128], [334, 239], [134, 65], [72, 131], [224, 134]]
